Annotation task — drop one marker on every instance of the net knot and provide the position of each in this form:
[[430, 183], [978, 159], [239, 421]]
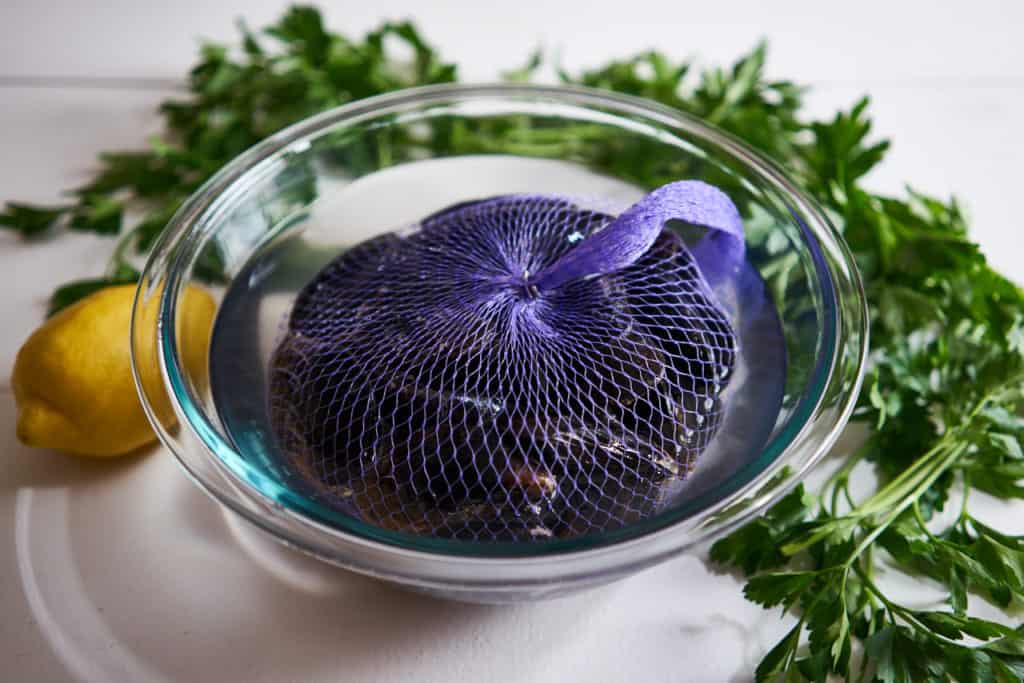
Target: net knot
[[529, 287]]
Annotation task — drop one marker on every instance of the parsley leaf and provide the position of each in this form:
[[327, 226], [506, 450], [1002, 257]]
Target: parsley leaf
[[69, 293], [29, 220]]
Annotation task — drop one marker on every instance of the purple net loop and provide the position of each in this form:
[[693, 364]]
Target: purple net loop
[[428, 384], [632, 233]]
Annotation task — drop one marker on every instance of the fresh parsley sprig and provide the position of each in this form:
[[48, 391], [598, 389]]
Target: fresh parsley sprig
[[236, 97], [945, 389]]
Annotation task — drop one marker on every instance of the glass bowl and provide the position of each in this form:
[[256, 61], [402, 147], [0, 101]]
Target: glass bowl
[[267, 222]]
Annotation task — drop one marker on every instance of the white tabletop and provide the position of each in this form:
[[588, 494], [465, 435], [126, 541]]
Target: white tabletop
[[124, 571]]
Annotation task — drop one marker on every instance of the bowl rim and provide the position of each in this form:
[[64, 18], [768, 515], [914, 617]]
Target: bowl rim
[[371, 555]]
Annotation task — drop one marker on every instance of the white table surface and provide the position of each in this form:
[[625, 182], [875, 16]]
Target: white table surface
[[125, 572]]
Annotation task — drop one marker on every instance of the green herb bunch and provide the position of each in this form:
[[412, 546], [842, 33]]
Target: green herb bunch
[[942, 399], [237, 97]]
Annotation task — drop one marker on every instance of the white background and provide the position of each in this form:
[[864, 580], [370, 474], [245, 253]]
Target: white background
[[125, 572]]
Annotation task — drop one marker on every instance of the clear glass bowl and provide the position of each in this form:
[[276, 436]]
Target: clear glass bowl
[[271, 218]]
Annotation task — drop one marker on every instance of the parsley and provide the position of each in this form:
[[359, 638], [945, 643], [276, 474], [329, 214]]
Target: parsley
[[30, 220], [944, 394], [237, 97]]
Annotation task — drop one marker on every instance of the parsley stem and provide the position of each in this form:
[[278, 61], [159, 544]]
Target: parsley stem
[[117, 261], [934, 463], [843, 473], [902, 485], [840, 478], [962, 518], [923, 485], [921, 521]]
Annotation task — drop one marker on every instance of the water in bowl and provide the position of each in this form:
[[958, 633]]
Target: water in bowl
[[254, 309]]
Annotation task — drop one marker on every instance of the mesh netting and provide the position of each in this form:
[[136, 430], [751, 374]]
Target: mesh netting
[[427, 383]]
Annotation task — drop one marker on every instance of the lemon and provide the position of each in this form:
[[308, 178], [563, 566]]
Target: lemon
[[73, 382]]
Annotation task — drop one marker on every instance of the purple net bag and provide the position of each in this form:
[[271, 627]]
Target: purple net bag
[[514, 368]]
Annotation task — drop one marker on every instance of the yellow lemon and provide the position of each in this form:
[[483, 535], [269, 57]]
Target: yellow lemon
[[73, 381]]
